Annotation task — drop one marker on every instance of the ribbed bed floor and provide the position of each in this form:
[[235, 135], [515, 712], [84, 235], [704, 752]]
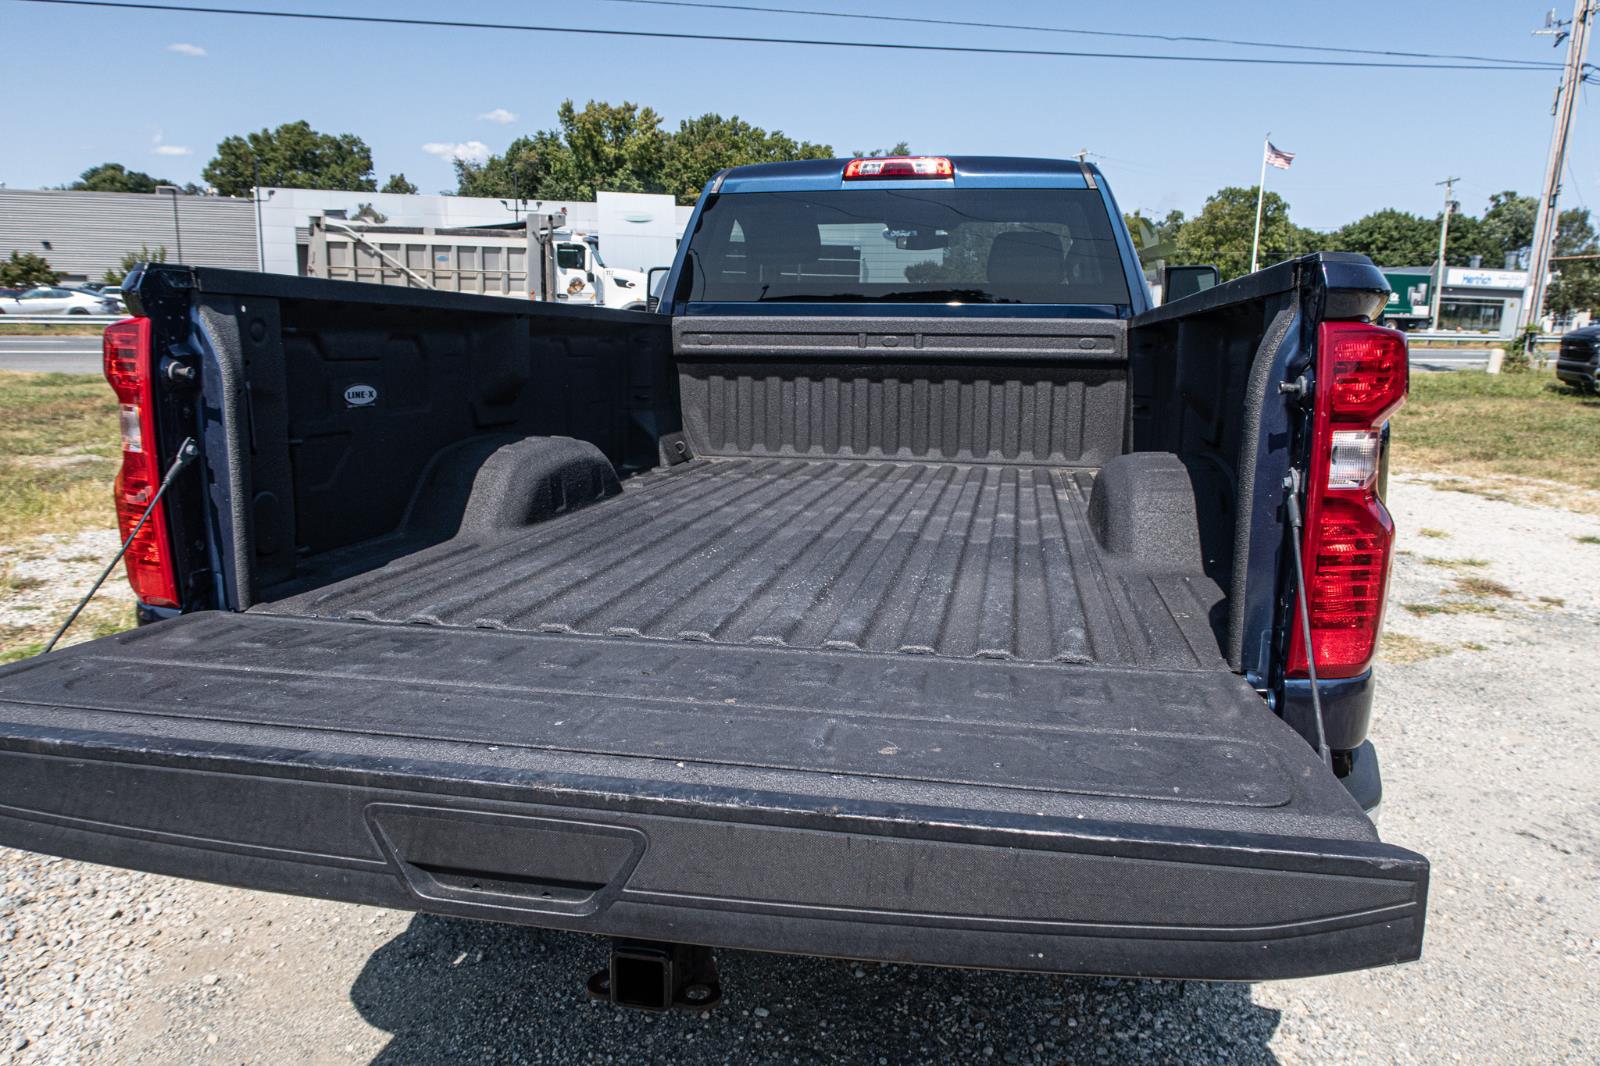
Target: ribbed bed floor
[[918, 558]]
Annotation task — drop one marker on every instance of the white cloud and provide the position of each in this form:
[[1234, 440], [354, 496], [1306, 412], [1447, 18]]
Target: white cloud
[[499, 115], [469, 151], [159, 146], [192, 50]]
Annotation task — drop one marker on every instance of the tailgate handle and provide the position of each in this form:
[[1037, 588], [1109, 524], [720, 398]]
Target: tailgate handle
[[505, 862]]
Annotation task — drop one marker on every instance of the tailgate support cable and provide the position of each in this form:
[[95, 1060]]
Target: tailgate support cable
[[1291, 501], [187, 451]]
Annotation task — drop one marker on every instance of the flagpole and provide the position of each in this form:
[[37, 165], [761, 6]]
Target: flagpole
[[1261, 192]]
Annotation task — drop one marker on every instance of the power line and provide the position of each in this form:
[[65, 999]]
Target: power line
[[665, 35], [1173, 38]]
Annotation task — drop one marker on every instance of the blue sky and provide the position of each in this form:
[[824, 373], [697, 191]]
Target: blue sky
[[157, 91]]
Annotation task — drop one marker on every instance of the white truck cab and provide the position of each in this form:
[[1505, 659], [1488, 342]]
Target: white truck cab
[[583, 277]]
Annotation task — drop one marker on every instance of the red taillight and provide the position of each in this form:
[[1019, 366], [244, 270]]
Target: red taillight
[[129, 369], [1367, 369], [1362, 377], [899, 166]]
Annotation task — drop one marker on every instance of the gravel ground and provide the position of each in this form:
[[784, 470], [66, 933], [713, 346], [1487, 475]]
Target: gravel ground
[[1488, 728]]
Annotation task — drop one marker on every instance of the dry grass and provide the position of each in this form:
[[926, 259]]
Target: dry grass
[[1403, 648], [58, 454], [1489, 431], [1426, 610], [1436, 534], [1482, 587], [1587, 538], [1454, 564]]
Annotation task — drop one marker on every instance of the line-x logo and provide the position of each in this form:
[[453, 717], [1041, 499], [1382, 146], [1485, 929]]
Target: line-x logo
[[360, 396]]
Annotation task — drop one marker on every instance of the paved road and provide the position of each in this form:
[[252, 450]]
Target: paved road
[[1449, 358], [62, 355]]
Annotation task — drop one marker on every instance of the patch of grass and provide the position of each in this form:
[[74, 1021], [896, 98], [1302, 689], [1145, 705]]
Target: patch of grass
[[1454, 564], [20, 652], [58, 446], [1436, 534], [1425, 610], [11, 583], [1553, 601], [1475, 425], [1404, 648], [1587, 538], [1484, 586], [1473, 645]]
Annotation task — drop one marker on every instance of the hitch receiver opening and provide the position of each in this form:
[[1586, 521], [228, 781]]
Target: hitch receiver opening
[[654, 976]]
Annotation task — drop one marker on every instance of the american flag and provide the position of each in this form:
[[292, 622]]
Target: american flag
[[1278, 157]]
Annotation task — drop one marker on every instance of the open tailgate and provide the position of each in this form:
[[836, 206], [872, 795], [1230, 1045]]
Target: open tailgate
[[1057, 817]]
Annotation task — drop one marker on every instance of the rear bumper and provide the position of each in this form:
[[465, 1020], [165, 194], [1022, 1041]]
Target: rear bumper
[[695, 864]]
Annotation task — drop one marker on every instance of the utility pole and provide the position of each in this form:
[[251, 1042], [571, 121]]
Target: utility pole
[[1444, 238], [1576, 33]]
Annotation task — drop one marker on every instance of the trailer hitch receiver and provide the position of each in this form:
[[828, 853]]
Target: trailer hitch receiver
[[654, 976]]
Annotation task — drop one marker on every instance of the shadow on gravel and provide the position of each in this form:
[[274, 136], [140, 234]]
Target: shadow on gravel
[[452, 991]]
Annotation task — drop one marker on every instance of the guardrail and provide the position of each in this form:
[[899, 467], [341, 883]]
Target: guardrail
[[1472, 340], [62, 320]]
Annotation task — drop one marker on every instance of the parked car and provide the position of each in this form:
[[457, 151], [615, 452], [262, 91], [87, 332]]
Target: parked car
[[57, 300], [1578, 361], [909, 589], [113, 293]]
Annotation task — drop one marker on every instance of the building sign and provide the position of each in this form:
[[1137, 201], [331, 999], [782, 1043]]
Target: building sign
[[1469, 278], [1410, 295]]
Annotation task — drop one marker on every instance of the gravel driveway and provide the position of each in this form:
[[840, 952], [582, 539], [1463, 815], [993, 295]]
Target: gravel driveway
[[1488, 716]]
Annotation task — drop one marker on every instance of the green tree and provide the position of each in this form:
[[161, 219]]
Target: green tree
[[703, 146], [1508, 224], [900, 148], [612, 147], [114, 177], [1155, 240], [24, 270], [398, 183], [622, 148], [294, 156], [130, 260], [1575, 285], [1391, 238], [530, 168], [1221, 232]]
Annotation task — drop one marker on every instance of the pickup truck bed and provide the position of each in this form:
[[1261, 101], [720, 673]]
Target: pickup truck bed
[[918, 558]]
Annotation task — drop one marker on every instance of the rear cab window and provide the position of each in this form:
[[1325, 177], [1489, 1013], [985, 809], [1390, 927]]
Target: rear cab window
[[951, 247]]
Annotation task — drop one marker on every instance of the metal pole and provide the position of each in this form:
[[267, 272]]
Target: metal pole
[[177, 231], [255, 191], [1548, 220], [1444, 236], [1261, 195]]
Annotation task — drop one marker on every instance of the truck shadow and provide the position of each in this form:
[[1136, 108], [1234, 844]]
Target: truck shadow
[[450, 990]]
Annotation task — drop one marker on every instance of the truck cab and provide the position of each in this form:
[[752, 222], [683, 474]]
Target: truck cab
[[582, 277]]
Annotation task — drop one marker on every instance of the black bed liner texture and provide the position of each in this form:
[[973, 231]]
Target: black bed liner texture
[[920, 558]]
